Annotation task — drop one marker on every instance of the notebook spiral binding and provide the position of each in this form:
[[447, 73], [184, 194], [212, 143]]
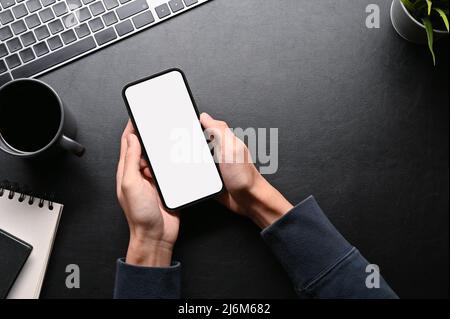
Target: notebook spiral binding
[[10, 190]]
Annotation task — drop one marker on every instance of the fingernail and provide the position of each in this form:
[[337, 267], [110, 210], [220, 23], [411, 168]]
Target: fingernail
[[130, 139], [206, 115]]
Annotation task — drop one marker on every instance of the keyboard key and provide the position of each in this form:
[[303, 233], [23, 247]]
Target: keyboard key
[[69, 20], [54, 43], [5, 78], [5, 33], [28, 38], [97, 8], [42, 32], [3, 50], [46, 15], [7, 3], [190, 2], [18, 27], [46, 3], [87, 1], [6, 17], [74, 4], [33, 5], [55, 26], [109, 18], [143, 19], [124, 27], [14, 45], [60, 8], [162, 11], [54, 58], [27, 55], [132, 8], [13, 61], [84, 14], [176, 5], [124, 1], [96, 24], [19, 11], [105, 36], [3, 67], [41, 49], [68, 36], [110, 4], [82, 30], [32, 21]]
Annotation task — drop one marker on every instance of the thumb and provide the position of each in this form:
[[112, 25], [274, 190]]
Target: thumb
[[132, 159], [207, 121]]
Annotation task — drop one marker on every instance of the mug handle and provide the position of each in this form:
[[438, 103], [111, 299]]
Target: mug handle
[[72, 146]]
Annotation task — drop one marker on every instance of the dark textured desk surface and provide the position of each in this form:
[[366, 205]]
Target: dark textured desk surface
[[363, 125]]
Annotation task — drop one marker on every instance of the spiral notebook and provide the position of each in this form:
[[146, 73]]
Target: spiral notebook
[[34, 220]]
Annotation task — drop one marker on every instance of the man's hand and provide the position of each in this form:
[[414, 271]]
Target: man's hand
[[247, 192], [153, 230]]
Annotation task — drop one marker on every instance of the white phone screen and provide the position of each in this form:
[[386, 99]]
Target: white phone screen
[[171, 134]]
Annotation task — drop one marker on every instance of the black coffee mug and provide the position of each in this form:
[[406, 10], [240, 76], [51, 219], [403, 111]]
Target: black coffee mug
[[34, 121]]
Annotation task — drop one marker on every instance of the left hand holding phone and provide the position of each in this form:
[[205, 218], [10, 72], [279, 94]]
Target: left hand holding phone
[[153, 230]]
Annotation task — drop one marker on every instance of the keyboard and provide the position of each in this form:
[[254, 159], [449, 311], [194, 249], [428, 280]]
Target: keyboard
[[37, 36]]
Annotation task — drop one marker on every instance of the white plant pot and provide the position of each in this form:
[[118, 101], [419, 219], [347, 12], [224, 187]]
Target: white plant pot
[[408, 27]]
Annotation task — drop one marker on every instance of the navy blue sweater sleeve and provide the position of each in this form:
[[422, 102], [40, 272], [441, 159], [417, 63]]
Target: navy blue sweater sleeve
[[319, 261], [134, 282]]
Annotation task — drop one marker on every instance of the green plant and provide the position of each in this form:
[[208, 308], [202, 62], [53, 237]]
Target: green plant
[[433, 14]]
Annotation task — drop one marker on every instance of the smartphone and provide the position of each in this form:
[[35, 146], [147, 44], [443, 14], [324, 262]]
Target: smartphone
[[166, 119]]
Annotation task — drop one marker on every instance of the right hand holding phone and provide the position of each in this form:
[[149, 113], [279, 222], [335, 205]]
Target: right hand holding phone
[[247, 192]]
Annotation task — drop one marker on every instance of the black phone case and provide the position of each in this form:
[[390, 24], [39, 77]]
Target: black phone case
[[144, 151], [8, 279]]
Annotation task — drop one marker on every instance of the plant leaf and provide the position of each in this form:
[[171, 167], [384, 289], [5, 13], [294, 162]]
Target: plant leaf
[[409, 5], [429, 28], [429, 6], [443, 16]]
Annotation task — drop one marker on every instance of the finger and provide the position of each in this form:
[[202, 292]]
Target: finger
[[132, 172], [143, 163], [147, 173], [214, 128], [144, 167], [120, 166], [129, 129], [205, 119], [209, 122]]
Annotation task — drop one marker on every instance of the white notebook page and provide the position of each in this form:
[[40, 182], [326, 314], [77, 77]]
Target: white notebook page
[[36, 226]]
